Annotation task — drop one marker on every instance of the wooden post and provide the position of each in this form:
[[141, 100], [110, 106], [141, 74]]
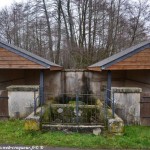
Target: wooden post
[[42, 87]]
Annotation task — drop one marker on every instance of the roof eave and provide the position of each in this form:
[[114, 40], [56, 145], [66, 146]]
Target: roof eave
[[94, 68], [56, 68]]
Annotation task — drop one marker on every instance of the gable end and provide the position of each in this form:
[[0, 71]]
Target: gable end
[[107, 65], [20, 53]]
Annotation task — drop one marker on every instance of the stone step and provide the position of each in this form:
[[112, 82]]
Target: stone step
[[72, 128]]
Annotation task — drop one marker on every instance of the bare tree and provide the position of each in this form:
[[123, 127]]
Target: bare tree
[[75, 33], [49, 30]]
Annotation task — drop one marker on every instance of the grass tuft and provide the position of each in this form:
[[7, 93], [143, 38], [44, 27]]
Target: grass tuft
[[12, 132]]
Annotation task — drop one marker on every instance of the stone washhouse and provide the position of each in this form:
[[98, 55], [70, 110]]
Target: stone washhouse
[[123, 77]]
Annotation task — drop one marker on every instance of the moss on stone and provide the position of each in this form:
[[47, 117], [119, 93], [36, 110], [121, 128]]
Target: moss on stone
[[60, 113], [47, 114], [115, 125], [32, 125], [73, 102]]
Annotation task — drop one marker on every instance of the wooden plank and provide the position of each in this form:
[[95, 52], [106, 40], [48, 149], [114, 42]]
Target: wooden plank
[[137, 58], [140, 60], [5, 53], [55, 68], [14, 62], [143, 54], [94, 68], [145, 50], [145, 109], [4, 107], [145, 121], [12, 66], [145, 63], [128, 67], [12, 58], [2, 49], [21, 66]]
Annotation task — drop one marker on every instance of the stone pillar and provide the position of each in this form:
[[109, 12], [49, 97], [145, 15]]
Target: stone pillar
[[127, 103]]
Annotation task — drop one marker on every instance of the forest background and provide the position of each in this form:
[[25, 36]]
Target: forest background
[[75, 33]]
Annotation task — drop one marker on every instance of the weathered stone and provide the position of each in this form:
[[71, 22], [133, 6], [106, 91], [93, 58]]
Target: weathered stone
[[32, 124], [79, 112], [97, 131], [58, 120], [126, 90], [23, 88], [67, 131], [59, 110], [115, 125], [127, 103], [72, 128]]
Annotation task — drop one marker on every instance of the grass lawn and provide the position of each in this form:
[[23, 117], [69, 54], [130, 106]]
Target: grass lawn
[[12, 132]]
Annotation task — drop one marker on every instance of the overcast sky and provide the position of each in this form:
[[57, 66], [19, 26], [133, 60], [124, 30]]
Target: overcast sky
[[4, 3]]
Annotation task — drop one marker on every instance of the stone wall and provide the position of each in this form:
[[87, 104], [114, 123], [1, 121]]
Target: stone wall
[[70, 82], [84, 81], [81, 81], [127, 103]]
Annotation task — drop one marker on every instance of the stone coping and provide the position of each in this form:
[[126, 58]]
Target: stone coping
[[23, 88], [126, 90], [73, 126], [73, 105]]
